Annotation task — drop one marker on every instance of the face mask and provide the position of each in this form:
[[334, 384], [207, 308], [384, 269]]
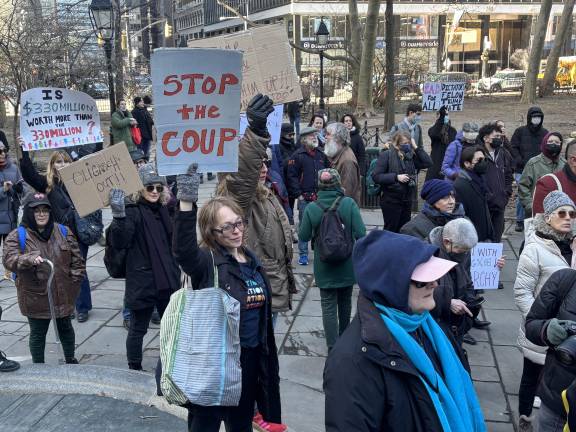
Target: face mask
[[481, 167], [405, 148], [553, 150], [446, 120], [470, 136], [458, 257], [330, 149], [536, 120], [417, 119], [496, 142]]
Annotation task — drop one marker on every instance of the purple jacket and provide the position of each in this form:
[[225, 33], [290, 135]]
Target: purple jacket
[[451, 162]]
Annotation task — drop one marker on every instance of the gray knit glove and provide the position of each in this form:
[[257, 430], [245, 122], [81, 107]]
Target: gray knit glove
[[188, 184], [117, 203], [556, 331]]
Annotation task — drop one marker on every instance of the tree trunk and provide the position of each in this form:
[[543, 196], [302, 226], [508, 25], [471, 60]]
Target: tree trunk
[[156, 28], [118, 58], [529, 92], [390, 88], [547, 84], [364, 105], [355, 49]]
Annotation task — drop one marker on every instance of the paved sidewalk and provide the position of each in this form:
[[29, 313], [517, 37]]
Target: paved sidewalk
[[496, 361]]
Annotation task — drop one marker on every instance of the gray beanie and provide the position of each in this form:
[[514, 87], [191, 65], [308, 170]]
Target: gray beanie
[[556, 199], [470, 127], [149, 175]]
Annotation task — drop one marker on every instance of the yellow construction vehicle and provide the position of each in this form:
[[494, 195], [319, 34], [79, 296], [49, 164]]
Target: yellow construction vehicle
[[566, 73]]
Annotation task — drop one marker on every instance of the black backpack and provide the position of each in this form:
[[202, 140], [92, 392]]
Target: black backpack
[[115, 259], [333, 240]]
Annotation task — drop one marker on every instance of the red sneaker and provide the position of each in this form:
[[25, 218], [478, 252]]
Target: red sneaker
[[263, 426]]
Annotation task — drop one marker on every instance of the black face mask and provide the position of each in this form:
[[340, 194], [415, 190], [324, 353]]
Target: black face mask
[[481, 167], [458, 257], [496, 142], [553, 150]]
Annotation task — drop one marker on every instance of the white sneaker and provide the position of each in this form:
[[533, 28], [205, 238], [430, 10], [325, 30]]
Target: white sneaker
[[537, 402]]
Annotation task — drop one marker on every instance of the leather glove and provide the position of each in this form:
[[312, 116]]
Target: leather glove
[[188, 184], [257, 113], [556, 331], [117, 203]]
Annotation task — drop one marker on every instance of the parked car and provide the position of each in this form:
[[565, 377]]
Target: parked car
[[505, 80], [403, 86], [447, 77]]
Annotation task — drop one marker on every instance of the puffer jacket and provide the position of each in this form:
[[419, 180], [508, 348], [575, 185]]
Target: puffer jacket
[[536, 167], [31, 280], [540, 258], [525, 141], [120, 128], [10, 201], [556, 300], [268, 234]]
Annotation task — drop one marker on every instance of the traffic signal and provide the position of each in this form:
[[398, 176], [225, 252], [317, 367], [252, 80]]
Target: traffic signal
[[100, 40], [124, 41], [167, 30]]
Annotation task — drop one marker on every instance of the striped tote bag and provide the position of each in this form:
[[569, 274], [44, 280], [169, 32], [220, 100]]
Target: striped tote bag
[[200, 347]]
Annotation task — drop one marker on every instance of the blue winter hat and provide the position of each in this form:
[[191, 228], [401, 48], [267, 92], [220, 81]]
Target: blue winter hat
[[382, 273], [435, 189]]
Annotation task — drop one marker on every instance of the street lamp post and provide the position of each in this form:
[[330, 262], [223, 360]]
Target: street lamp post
[[322, 37], [101, 17]]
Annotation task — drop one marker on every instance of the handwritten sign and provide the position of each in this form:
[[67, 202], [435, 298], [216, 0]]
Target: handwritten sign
[[197, 108], [90, 179], [52, 118], [267, 68], [274, 124], [435, 95], [485, 274]]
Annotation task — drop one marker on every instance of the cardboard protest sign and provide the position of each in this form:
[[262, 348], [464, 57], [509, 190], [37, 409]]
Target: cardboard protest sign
[[268, 67], [274, 124], [90, 179], [196, 108], [485, 274], [52, 118], [438, 94]]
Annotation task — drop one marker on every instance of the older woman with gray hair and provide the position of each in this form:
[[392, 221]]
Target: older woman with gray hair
[[456, 301], [342, 158]]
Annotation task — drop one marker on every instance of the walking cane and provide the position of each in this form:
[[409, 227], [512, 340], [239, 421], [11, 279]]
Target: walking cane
[[53, 310]]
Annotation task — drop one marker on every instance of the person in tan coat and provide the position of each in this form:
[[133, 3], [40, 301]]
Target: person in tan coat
[[38, 239], [343, 160]]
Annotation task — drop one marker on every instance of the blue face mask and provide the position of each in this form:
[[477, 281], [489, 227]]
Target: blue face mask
[[446, 119], [417, 119], [405, 148]]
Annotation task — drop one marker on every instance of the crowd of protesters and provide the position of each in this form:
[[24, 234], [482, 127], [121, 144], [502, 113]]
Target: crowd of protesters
[[400, 363]]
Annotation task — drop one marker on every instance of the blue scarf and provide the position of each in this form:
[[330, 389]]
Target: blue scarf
[[453, 396]]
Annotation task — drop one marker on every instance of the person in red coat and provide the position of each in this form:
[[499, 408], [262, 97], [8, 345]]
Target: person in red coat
[[564, 180]]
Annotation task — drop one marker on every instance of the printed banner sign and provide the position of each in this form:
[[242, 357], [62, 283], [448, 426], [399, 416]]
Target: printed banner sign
[[435, 95], [268, 67], [485, 274], [90, 179], [274, 124], [52, 118], [196, 108]]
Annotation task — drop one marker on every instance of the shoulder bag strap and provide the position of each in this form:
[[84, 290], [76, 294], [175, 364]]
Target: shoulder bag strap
[[215, 269]]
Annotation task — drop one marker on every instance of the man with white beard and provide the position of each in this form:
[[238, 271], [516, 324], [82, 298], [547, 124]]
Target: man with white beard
[[342, 158]]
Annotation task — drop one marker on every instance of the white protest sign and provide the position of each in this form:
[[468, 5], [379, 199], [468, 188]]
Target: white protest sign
[[485, 273], [196, 108], [52, 118], [274, 124], [435, 95]]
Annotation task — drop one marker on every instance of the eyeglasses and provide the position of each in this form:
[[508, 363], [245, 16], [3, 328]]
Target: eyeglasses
[[41, 210], [231, 227], [158, 188], [419, 284], [563, 213]]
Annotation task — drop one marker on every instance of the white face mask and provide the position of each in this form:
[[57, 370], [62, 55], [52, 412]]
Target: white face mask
[[470, 136], [331, 149], [536, 120]]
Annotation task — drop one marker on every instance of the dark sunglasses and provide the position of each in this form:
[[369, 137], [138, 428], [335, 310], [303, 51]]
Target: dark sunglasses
[[159, 188], [562, 214], [419, 284]]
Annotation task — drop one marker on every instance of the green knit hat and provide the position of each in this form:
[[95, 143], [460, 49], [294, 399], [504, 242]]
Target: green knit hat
[[328, 178]]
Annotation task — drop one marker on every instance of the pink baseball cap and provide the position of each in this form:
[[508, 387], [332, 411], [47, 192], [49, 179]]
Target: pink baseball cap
[[432, 270]]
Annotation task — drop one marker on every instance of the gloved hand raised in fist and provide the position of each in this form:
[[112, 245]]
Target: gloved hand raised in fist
[[556, 331], [188, 184], [257, 113], [117, 197]]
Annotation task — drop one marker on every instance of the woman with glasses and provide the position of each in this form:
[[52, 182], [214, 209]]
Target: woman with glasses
[[222, 248], [143, 226], [548, 249], [40, 238]]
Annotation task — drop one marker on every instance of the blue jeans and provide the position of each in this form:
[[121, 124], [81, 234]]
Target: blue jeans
[[302, 245], [296, 124], [519, 207], [145, 147], [84, 300], [549, 421], [126, 313]]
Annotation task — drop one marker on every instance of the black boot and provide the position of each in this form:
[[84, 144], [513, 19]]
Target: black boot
[[135, 366]]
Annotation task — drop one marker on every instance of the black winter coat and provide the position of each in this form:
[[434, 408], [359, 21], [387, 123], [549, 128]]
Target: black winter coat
[[389, 166], [526, 140], [440, 136], [197, 262], [145, 122], [429, 218], [129, 233], [475, 204], [303, 171], [359, 149], [499, 178], [557, 299], [370, 384], [62, 206]]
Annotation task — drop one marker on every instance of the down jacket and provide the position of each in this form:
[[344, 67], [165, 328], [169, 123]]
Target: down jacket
[[540, 258], [268, 234], [31, 280]]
